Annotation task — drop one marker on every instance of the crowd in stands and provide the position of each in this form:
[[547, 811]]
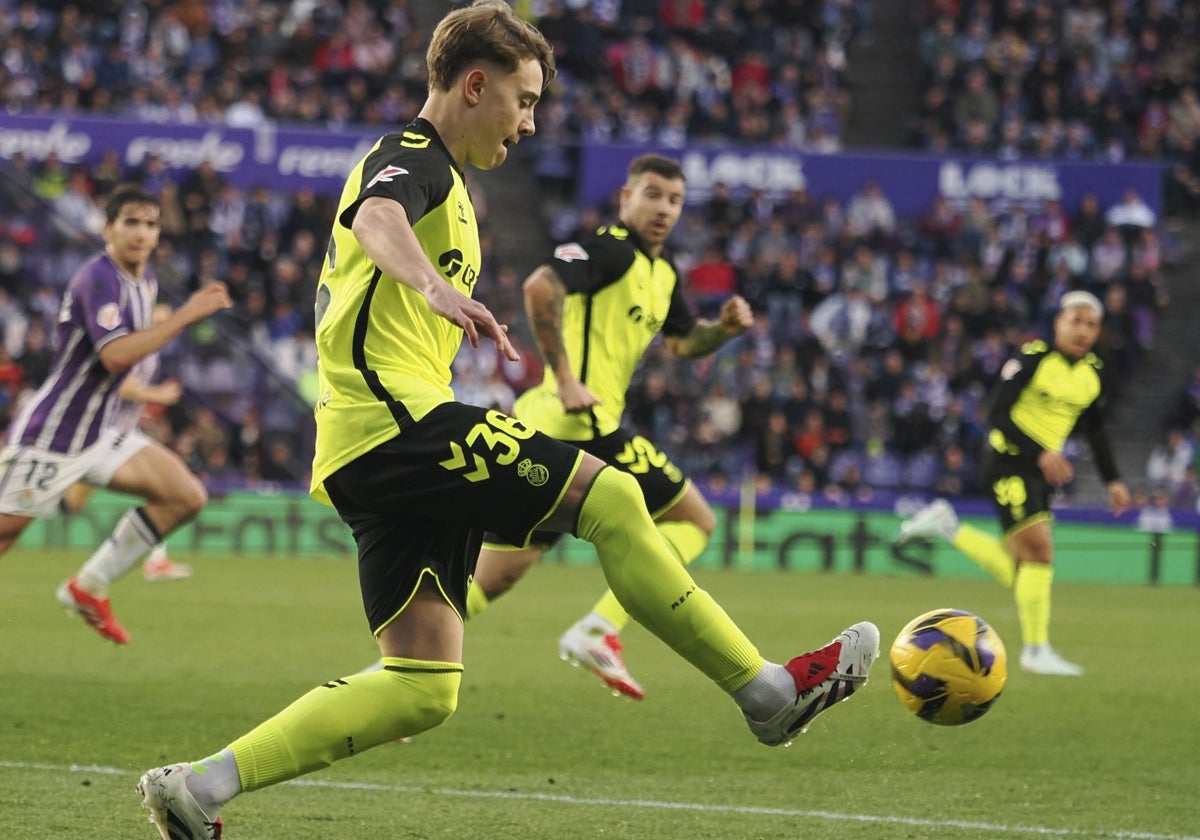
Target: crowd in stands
[[877, 337], [1085, 80], [664, 71]]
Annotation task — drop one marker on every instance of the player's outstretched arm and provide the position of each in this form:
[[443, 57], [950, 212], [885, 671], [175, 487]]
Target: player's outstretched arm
[[122, 353], [167, 392], [544, 296], [381, 227], [707, 336]]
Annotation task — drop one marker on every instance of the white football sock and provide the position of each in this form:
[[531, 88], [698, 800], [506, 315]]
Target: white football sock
[[214, 781], [131, 538], [770, 690]]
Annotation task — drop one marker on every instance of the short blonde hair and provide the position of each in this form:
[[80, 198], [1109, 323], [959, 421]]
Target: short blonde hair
[[487, 30]]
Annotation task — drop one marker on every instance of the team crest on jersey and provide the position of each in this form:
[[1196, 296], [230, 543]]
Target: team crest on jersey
[[386, 175], [109, 316], [535, 474], [570, 252], [462, 212]]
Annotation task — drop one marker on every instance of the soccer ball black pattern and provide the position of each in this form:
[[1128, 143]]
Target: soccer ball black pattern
[[948, 666]]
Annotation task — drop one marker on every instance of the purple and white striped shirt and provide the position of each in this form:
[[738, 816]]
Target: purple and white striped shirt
[[77, 399]]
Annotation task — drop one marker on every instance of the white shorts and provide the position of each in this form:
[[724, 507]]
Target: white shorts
[[33, 481]]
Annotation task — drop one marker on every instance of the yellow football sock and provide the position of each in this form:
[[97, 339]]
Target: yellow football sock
[[686, 541], [656, 591], [477, 600], [1032, 592], [988, 552], [347, 716]]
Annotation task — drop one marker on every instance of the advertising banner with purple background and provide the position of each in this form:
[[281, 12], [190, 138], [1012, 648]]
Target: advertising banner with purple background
[[288, 158], [910, 180], [280, 158]]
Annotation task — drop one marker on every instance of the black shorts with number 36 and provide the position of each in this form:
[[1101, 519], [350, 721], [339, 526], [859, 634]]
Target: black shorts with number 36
[[663, 484], [419, 503], [1018, 489]]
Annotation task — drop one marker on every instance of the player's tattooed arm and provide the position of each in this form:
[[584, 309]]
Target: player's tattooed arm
[[707, 336], [544, 296]]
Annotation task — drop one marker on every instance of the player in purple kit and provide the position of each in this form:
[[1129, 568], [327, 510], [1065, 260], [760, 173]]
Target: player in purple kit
[[137, 391], [64, 433]]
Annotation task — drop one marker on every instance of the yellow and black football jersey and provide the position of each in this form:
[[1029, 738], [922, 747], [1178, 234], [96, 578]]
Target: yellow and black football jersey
[[383, 356], [1043, 396], [619, 299]]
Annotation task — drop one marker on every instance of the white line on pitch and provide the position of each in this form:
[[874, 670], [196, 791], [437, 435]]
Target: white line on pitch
[[834, 816]]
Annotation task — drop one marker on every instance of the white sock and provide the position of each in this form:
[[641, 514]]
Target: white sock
[[158, 553], [131, 538], [214, 781], [770, 690]]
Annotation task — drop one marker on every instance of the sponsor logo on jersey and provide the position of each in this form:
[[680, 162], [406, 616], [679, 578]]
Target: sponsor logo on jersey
[[639, 316], [386, 175], [451, 262], [570, 252]]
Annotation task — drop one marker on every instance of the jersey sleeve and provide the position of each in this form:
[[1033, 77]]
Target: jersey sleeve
[[417, 176], [680, 320], [97, 307], [1014, 376], [1091, 423], [588, 266]]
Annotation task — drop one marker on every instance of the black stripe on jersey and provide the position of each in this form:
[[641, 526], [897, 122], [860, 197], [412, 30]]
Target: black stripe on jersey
[[400, 669], [359, 355], [583, 362]]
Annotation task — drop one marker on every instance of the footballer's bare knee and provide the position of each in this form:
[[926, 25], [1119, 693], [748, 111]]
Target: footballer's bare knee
[[498, 571]]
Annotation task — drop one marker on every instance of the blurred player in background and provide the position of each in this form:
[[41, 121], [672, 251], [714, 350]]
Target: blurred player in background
[[419, 477], [594, 309], [136, 391], [63, 435], [1044, 394]]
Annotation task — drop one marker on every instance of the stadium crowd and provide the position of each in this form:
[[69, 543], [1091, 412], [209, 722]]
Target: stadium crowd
[[1084, 80], [666, 71], [877, 337]]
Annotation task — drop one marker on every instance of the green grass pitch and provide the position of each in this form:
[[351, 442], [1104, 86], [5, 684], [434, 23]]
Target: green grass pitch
[[540, 750]]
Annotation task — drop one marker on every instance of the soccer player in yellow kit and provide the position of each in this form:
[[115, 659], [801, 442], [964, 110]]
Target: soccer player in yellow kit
[[594, 308], [419, 477], [1044, 394]]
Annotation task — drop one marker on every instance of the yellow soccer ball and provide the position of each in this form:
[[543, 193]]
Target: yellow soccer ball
[[948, 666]]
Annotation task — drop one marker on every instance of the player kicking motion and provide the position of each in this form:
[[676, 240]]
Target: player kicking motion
[[595, 308], [137, 390], [419, 477], [62, 435], [1043, 394]]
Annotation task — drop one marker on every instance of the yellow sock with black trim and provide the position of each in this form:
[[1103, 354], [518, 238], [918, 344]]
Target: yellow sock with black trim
[[685, 539], [988, 552], [1032, 591], [477, 600], [656, 591], [348, 716]]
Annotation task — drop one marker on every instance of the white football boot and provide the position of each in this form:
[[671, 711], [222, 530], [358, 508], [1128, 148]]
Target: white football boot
[[822, 678], [936, 519]]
